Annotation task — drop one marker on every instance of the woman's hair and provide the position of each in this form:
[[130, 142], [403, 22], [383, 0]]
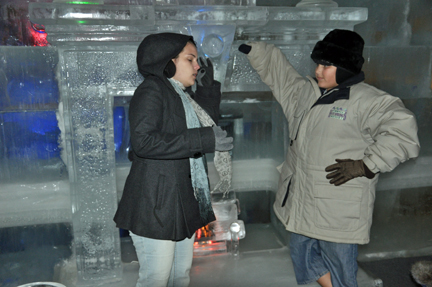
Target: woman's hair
[[170, 68]]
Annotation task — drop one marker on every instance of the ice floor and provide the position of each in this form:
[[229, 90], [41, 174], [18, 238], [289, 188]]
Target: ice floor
[[263, 261]]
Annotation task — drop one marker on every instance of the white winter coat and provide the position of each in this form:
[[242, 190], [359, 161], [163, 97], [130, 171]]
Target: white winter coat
[[370, 125]]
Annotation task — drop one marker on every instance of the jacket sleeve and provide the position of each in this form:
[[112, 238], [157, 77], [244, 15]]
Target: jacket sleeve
[[209, 99], [393, 129], [154, 136], [276, 71], [294, 93]]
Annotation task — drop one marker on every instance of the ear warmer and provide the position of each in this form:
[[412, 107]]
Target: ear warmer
[[170, 69]]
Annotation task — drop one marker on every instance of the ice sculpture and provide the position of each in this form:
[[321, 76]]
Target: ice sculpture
[[96, 47]]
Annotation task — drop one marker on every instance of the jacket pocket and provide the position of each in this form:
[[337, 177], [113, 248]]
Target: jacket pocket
[[337, 207], [160, 191], [283, 191], [297, 119]]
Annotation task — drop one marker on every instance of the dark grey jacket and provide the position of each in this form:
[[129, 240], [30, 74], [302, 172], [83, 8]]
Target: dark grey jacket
[[158, 200]]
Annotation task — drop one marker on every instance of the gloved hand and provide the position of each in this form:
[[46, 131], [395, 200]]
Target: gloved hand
[[244, 48], [222, 142], [205, 76], [347, 169]]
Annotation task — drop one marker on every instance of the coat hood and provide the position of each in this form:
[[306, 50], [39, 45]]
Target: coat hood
[[156, 50]]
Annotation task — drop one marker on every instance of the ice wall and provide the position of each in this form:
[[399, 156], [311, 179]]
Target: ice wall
[[93, 53], [96, 45]]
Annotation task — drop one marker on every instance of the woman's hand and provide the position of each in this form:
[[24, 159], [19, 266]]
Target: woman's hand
[[205, 75]]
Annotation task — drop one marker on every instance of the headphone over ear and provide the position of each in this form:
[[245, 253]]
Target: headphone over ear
[[170, 69]]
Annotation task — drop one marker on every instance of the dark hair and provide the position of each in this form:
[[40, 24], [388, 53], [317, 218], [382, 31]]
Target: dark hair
[[170, 68]]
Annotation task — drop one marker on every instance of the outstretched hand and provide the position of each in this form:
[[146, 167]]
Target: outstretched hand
[[205, 76]]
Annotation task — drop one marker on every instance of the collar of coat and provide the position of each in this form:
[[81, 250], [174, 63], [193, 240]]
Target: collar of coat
[[341, 92]]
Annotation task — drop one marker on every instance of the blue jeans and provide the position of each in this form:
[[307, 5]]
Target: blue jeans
[[163, 262], [313, 258]]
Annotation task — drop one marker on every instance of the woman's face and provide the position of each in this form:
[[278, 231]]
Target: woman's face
[[326, 76], [187, 65]]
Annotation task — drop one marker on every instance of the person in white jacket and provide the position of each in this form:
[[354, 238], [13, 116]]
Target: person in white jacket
[[343, 133]]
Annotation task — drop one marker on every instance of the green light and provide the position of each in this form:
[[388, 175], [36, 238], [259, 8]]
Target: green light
[[82, 2], [82, 22]]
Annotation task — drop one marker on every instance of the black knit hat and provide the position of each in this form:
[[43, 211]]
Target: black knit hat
[[340, 48]]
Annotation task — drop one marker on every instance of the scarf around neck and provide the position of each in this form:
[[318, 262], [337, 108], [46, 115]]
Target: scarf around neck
[[195, 118]]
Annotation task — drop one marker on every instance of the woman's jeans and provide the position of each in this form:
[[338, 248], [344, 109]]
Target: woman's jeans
[[163, 262]]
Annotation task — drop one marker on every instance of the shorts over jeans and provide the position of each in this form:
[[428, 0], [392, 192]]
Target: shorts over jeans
[[313, 258]]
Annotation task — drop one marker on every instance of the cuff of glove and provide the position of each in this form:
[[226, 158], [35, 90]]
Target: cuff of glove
[[368, 173], [209, 91], [370, 165], [245, 48]]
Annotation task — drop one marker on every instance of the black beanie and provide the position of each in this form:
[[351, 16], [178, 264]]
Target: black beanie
[[340, 48]]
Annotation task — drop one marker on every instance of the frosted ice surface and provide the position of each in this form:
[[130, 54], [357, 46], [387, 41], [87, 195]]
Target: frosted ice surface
[[214, 42], [226, 213], [63, 13], [210, 14], [243, 77], [406, 64], [387, 27]]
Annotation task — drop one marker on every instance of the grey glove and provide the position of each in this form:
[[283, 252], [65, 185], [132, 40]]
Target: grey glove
[[347, 169], [205, 76], [222, 142]]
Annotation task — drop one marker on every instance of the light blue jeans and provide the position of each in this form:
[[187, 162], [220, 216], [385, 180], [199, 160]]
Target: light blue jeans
[[163, 262]]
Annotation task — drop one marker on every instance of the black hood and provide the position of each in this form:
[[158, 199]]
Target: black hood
[[156, 50]]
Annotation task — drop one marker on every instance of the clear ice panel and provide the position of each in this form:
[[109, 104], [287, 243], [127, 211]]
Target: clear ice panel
[[33, 179], [89, 136], [406, 64], [214, 42], [226, 212], [35, 210], [242, 77], [84, 14], [27, 78], [401, 72], [420, 18], [388, 25], [211, 14]]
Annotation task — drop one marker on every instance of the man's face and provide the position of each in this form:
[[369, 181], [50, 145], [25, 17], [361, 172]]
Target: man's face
[[326, 76]]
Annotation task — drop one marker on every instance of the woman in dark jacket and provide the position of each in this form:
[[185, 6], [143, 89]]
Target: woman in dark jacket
[[166, 196]]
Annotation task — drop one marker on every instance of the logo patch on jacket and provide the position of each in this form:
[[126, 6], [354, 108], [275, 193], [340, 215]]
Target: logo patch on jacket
[[338, 113]]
